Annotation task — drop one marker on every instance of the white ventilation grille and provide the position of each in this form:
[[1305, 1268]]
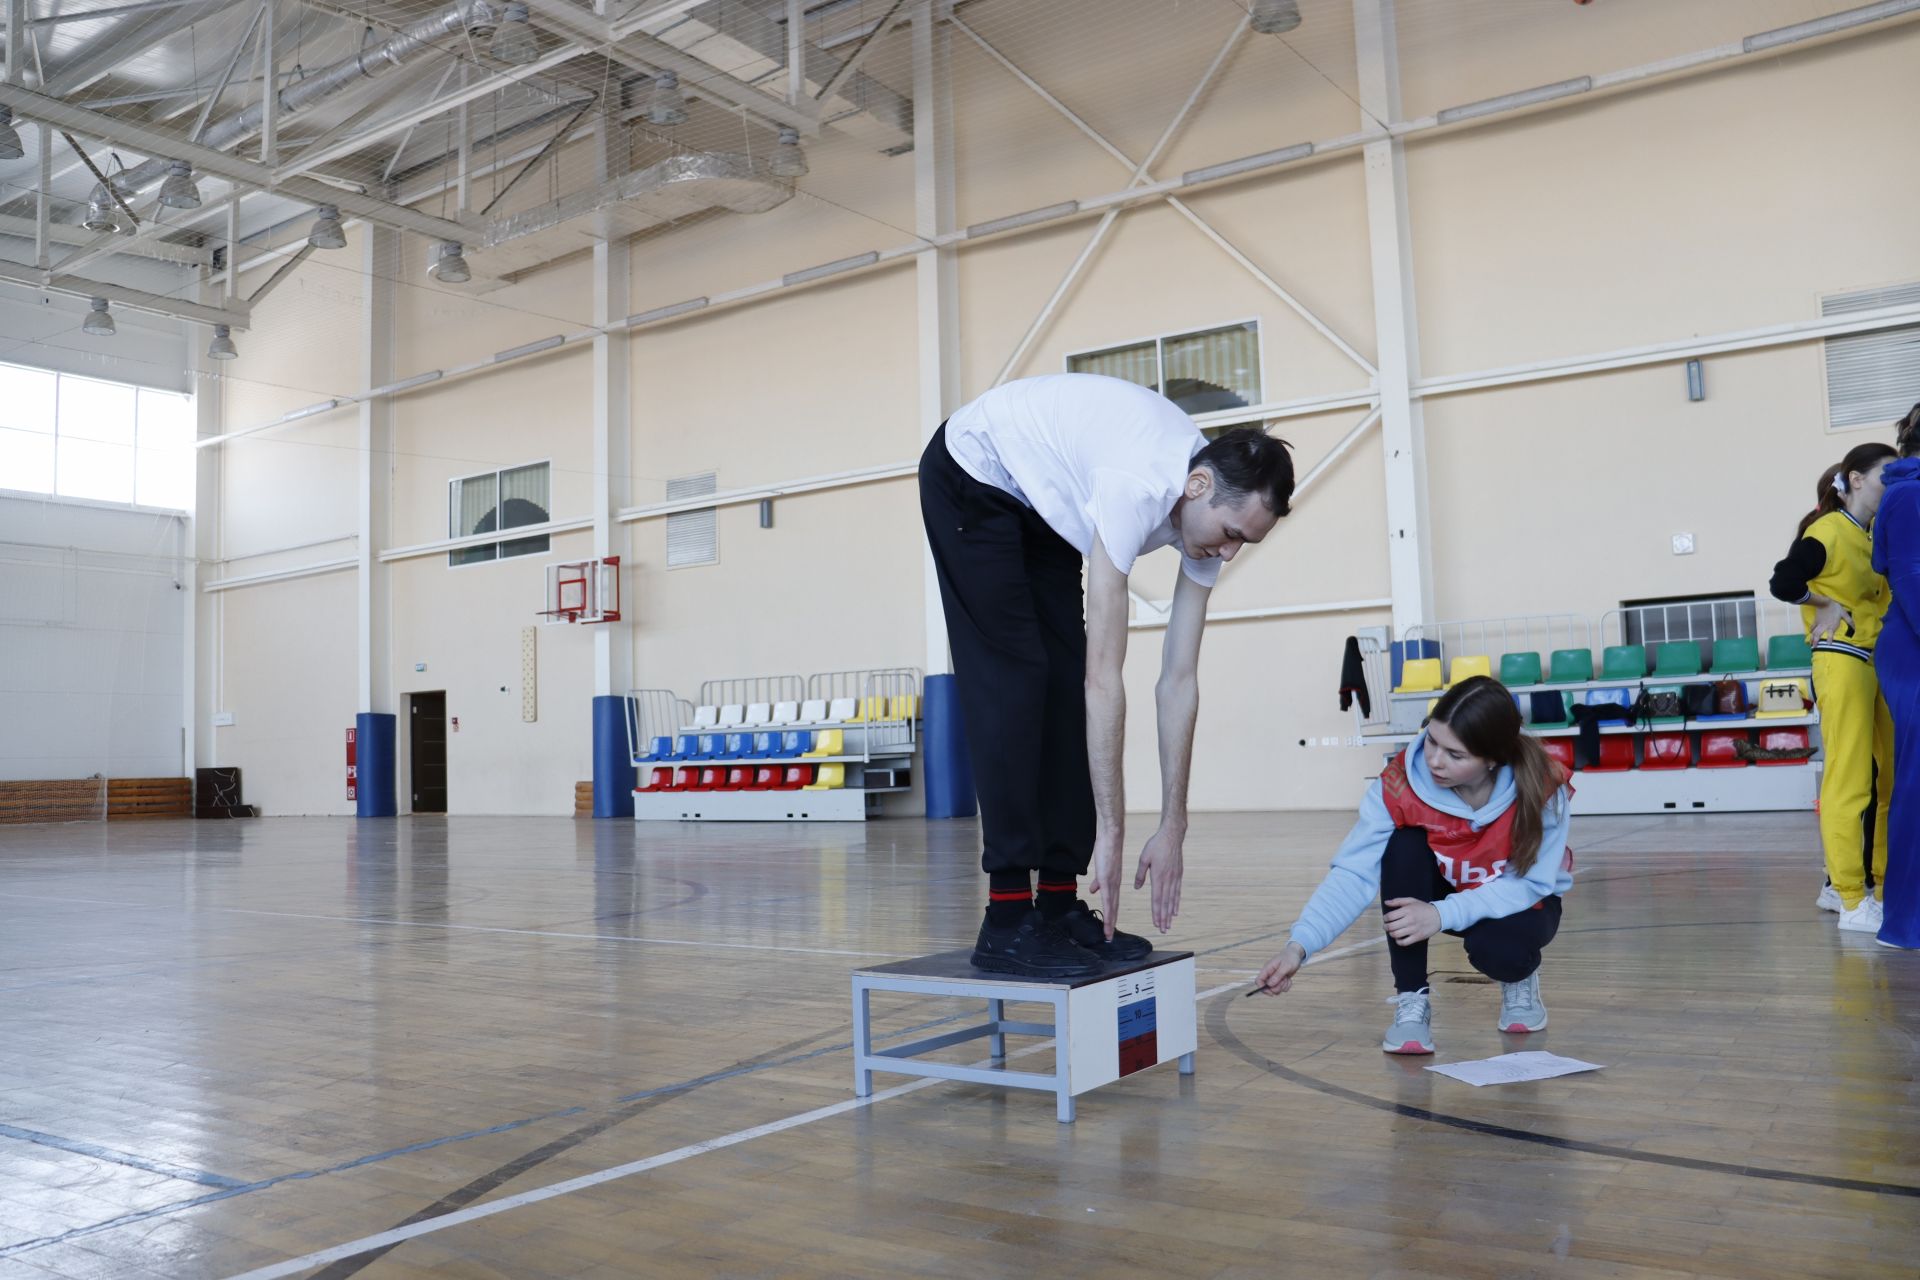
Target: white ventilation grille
[[692, 536], [1872, 378]]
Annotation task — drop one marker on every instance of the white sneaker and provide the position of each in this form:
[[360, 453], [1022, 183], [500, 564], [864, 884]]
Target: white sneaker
[[1412, 1029], [1520, 1007], [1829, 899], [1864, 918]]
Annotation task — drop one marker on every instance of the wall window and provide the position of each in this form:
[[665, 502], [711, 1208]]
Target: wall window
[[1872, 378], [693, 537], [84, 438], [495, 501], [1201, 372]]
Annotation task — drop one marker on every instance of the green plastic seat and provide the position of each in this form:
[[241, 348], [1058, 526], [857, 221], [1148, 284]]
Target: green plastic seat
[[1570, 666], [1736, 653], [1677, 658], [1624, 662], [1788, 652], [1519, 669]]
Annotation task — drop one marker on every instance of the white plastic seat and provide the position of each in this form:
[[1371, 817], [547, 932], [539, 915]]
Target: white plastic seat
[[758, 713], [785, 713], [732, 717], [813, 711], [706, 717], [842, 710]]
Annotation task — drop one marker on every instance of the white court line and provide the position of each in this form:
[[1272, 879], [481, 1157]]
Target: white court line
[[476, 928], [293, 1266]]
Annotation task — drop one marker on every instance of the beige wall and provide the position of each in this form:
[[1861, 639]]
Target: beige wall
[[1721, 202]]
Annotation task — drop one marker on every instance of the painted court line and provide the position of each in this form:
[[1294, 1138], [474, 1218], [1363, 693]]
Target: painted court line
[[476, 928], [293, 1266]]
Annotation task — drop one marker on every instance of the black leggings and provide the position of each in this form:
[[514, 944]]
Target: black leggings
[[1506, 949]]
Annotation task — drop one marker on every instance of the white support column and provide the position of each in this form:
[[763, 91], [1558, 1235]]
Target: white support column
[[205, 610], [935, 270], [42, 213], [16, 41], [612, 414], [1396, 321], [380, 264]]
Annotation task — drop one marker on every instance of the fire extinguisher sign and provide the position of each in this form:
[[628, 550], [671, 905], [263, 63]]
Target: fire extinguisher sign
[[353, 766]]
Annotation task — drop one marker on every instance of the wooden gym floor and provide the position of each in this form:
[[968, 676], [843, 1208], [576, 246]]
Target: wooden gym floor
[[257, 1047]]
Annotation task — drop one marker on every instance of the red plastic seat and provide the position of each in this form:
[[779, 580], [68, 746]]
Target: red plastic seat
[[1666, 751], [1720, 751], [765, 778], [795, 777], [1794, 739], [685, 778], [1560, 749], [710, 778], [1616, 754], [737, 777], [658, 780]]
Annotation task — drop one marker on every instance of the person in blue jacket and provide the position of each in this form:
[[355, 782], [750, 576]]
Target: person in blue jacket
[[1465, 831], [1896, 659]]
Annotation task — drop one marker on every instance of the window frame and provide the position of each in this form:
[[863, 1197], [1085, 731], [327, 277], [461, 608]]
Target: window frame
[[55, 435], [505, 535], [1160, 340]]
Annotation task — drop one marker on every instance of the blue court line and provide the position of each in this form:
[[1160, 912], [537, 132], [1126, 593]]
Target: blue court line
[[111, 1156], [240, 1189]]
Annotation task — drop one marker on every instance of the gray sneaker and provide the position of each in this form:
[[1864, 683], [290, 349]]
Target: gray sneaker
[[1829, 899], [1520, 1007], [1412, 1029]]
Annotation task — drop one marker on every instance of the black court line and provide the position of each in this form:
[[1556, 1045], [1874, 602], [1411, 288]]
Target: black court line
[[1224, 1036]]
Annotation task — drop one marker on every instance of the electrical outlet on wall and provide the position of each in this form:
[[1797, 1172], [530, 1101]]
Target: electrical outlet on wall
[[1683, 544]]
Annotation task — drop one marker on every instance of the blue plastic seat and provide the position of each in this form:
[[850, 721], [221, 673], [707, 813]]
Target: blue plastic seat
[[796, 742], [766, 745], [689, 747], [738, 746]]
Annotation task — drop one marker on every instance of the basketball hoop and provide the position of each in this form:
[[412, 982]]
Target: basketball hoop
[[582, 591]]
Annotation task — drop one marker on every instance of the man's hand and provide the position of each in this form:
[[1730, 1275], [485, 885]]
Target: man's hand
[[1411, 920], [1107, 871], [1828, 619], [1164, 860], [1277, 977]]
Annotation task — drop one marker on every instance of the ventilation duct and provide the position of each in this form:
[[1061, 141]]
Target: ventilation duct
[[677, 187]]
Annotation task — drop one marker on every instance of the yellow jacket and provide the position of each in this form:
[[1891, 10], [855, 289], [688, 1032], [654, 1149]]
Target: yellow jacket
[[1848, 578]]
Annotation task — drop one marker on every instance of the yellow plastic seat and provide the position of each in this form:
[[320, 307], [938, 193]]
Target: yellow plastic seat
[[1468, 667], [1419, 675], [904, 707], [872, 707], [829, 777], [827, 742]]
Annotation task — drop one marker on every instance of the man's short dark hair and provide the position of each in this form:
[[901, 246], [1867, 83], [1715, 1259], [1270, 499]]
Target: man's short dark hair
[[1248, 460]]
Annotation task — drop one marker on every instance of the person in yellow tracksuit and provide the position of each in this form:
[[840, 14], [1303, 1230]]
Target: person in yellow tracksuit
[[1829, 573]]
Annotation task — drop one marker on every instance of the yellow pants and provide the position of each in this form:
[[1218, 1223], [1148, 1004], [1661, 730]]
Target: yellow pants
[[1856, 731]]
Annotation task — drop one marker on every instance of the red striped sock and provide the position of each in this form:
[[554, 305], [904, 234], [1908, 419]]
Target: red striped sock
[[1057, 895]]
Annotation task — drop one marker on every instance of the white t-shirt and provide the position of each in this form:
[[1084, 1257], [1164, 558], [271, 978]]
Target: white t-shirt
[[1092, 455]]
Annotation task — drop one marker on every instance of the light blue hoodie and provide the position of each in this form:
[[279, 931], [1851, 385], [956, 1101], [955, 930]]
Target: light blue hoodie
[[1353, 882]]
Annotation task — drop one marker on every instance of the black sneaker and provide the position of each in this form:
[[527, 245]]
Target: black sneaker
[[1035, 947], [1084, 926]]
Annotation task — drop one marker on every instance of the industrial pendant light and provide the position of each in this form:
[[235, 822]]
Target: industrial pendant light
[[179, 191], [449, 265], [1275, 17], [327, 232], [99, 322], [513, 40], [103, 214], [222, 348], [668, 106], [788, 161], [10, 148]]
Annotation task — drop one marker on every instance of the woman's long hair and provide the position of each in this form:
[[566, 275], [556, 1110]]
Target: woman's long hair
[[1830, 494], [1482, 714], [1906, 433]]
